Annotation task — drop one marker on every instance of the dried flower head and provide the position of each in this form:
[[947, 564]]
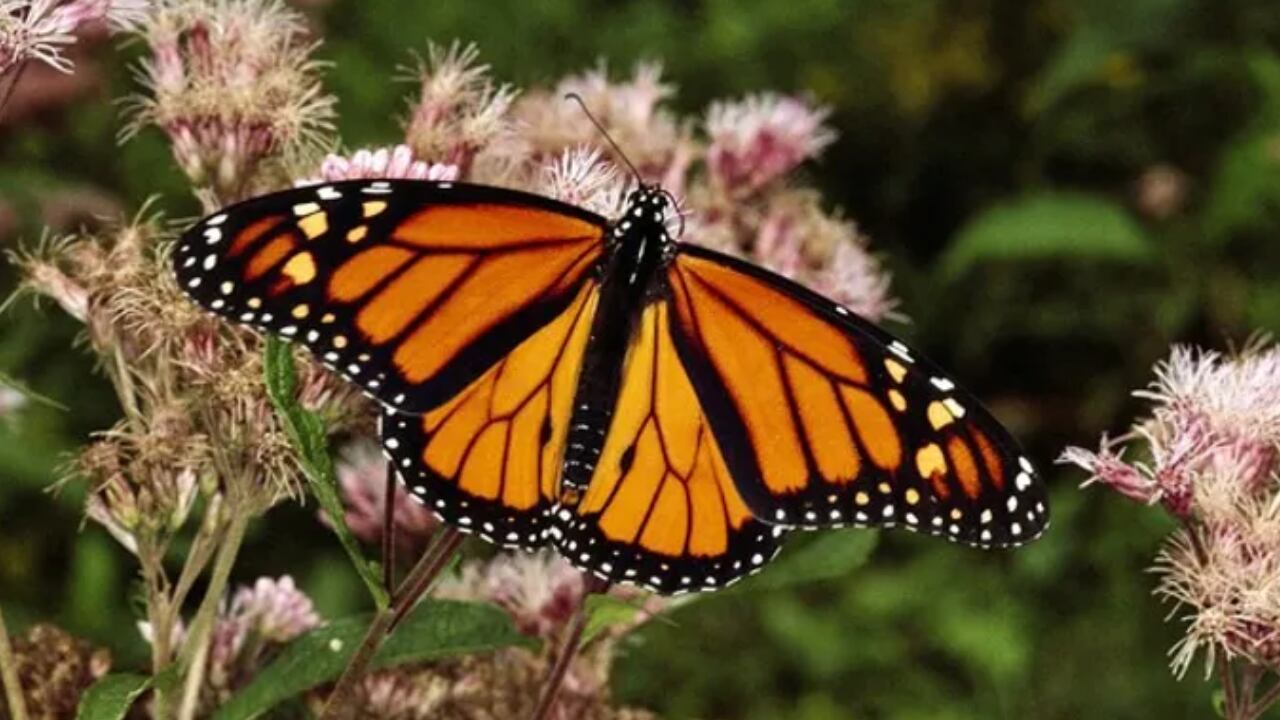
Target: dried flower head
[[1209, 453], [459, 110], [54, 669], [233, 84], [41, 29]]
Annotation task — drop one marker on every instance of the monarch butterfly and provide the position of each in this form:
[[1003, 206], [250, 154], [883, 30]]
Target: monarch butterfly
[[659, 413]]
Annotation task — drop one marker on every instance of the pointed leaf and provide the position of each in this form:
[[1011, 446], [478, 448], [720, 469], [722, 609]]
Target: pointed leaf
[[436, 629], [111, 697], [1051, 225]]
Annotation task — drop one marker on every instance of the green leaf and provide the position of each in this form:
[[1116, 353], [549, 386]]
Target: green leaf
[[436, 629], [824, 557], [605, 611], [306, 431], [111, 697], [1051, 225]]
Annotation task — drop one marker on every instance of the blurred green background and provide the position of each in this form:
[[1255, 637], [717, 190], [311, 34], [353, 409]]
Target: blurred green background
[[1061, 189]]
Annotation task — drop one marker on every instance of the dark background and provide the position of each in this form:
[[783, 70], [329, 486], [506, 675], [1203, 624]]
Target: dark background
[[1061, 189]]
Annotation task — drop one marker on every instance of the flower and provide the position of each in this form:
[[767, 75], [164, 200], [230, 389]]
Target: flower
[[41, 29], [396, 162], [1209, 453], [233, 85], [362, 478], [258, 621], [459, 110], [581, 176], [540, 591], [760, 138]]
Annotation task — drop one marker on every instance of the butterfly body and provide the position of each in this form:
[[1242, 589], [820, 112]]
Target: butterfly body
[[638, 246], [659, 413]]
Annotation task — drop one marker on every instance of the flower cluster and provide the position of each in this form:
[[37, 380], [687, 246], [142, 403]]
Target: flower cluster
[[1209, 453], [362, 478], [248, 631], [233, 85]]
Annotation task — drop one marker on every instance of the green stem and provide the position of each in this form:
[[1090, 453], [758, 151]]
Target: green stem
[[436, 557], [9, 673], [196, 650]]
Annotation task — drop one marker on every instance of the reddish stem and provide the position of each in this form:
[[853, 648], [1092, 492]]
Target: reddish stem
[[568, 650]]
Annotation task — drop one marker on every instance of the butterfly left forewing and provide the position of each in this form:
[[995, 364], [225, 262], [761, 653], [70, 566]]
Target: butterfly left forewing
[[825, 420], [411, 289]]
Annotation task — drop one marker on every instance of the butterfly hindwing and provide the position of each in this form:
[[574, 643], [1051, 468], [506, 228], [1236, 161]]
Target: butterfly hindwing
[[660, 510], [826, 420], [411, 289], [488, 461]]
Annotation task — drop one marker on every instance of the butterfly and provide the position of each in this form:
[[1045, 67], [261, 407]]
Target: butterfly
[[659, 413]]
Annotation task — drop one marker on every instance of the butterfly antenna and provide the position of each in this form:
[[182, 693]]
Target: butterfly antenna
[[582, 104]]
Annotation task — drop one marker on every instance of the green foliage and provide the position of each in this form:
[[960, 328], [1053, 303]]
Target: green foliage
[[823, 557], [111, 697], [307, 432], [1046, 226], [435, 629]]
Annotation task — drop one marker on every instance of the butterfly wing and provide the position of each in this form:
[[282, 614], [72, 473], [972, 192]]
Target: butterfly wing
[[660, 510], [411, 289], [488, 461], [826, 420]]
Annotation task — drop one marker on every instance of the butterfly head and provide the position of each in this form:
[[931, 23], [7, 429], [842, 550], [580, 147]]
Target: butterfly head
[[648, 210]]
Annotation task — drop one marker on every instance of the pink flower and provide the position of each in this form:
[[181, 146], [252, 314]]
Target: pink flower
[[761, 138], [362, 477], [396, 162], [541, 591], [42, 29], [459, 110]]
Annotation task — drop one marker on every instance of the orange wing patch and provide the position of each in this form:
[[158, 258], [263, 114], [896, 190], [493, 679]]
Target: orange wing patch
[[661, 496], [488, 460], [486, 226]]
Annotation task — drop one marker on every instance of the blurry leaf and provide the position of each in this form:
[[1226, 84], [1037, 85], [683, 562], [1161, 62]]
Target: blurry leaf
[[1078, 62], [28, 393], [436, 629], [306, 430], [1048, 226], [605, 611], [827, 556], [111, 697], [1245, 191]]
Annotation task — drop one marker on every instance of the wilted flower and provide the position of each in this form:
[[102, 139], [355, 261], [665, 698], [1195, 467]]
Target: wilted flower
[[54, 669], [761, 138], [233, 84], [41, 29], [397, 163], [459, 110], [1207, 453], [362, 478]]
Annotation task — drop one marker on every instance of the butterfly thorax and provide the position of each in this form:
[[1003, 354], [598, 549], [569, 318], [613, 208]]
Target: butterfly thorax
[[639, 247]]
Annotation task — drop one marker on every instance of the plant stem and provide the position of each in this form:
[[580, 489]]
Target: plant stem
[[9, 674], [406, 596], [389, 530], [568, 650], [1230, 698], [1265, 701], [196, 653]]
